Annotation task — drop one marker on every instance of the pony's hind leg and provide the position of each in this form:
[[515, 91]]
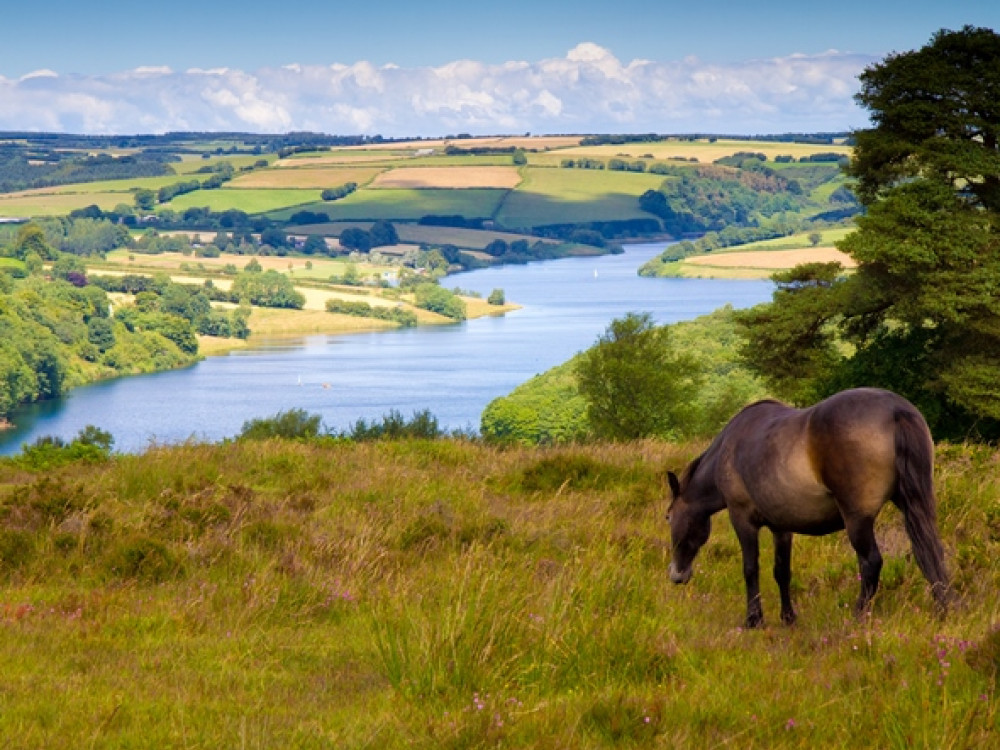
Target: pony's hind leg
[[783, 573], [861, 532]]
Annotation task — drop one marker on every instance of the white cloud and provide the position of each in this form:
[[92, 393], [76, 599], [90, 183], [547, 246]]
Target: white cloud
[[587, 90]]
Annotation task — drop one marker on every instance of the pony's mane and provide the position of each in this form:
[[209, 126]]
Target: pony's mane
[[690, 470], [688, 474]]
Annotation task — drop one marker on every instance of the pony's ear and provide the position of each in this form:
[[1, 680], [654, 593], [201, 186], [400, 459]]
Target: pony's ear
[[675, 485]]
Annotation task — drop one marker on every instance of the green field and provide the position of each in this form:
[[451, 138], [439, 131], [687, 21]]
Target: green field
[[11, 263], [558, 196], [190, 166], [406, 205], [250, 200], [447, 594], [58, 204]]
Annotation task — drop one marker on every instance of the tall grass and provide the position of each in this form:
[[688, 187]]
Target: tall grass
[[443, 593]]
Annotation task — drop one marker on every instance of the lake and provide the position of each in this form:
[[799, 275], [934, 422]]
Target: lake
[[454, 370]]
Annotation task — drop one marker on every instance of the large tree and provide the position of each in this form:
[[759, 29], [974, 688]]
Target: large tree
[[635, 383], [921, 314]]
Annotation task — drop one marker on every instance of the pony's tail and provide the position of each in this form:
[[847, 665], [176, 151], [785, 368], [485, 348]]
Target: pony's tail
[[915, 498]]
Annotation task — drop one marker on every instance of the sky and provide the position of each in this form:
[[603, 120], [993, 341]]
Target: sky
[[441, 67]]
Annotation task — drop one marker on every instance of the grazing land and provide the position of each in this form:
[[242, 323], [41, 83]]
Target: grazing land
[[448, 177], [249, 200], [448, 594], [560, 196], [759, 260], [44, 202], [305, 177], [705, 150], [406, 204]]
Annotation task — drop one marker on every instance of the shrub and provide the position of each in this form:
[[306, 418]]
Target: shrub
[[143, 559], [393, 425], [294, 424]]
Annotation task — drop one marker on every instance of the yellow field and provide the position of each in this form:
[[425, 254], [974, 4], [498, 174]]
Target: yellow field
[[702, 150], [449, 177], [305, 177], [773, 260], [48, 203], [541, 142], [755, 264]]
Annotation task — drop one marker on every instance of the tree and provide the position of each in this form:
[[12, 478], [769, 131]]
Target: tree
[[438, 299], [145, 199], [355, 238], [383, 233], [921, 314], [31, 239], [315, 244], [635, 384]]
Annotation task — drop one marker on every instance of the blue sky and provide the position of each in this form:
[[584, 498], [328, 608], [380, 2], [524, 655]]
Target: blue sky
[[428, 68]]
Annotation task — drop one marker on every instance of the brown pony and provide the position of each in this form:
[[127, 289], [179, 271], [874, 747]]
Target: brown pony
[[812, 471]]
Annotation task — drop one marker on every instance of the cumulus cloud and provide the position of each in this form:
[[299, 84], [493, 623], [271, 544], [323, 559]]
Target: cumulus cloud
[[588, 90]]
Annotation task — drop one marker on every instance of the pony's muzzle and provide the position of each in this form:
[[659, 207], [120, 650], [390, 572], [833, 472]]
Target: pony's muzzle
[[680, 576]]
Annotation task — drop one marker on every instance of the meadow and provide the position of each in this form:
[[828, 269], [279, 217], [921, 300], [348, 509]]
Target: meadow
[[305, 177], [406, 204], [704, 150], [560, 196], [759, 260], [429, 594]]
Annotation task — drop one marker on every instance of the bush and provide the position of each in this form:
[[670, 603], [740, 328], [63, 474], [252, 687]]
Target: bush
[[423, 425], [143, 559], [91, 445], [294, 424], [438, 299]]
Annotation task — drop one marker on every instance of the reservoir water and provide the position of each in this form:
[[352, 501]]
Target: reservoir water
[[454, 370]]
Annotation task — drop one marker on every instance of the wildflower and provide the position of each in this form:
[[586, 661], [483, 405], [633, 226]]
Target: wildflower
[[790, 725]]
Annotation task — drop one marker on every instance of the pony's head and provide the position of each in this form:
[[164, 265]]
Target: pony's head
[[690, 526]]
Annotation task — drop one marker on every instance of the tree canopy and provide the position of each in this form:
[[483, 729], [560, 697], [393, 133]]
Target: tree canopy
[[921, 315], [634, 382]]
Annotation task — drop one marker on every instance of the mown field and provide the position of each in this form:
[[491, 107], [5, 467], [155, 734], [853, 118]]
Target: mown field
[[450, 594]]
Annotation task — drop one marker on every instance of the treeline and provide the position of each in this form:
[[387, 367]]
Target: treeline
[[342, 191], [679, 382], [55, 335], [23, 168], [252, 286], [707, 199], [405, 318]]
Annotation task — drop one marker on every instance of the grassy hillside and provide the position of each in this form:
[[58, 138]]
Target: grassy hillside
[[448, 594]]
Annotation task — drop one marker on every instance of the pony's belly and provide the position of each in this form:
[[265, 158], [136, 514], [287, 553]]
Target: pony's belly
[[809, 511]]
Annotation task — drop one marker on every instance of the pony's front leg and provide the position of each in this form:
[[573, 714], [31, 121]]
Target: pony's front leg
[[749, 543], [783, 573]]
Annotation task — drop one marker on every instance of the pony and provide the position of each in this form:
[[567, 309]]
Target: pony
[[812, 471]]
